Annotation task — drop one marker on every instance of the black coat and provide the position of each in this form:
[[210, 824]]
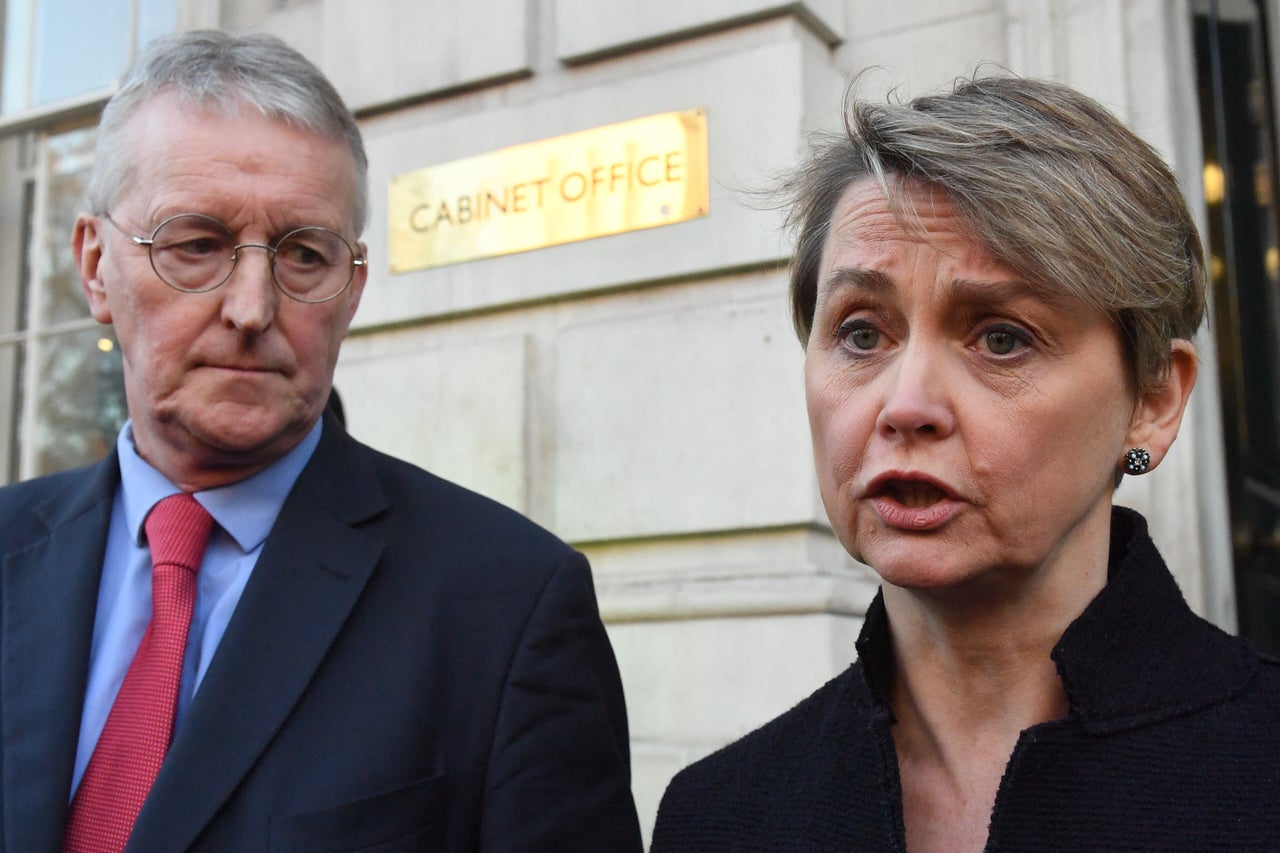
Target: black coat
[[410, 667], [1171, 742]]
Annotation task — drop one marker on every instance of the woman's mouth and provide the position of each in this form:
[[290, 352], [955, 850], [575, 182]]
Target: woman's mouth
[[914, 494], [913, 502]]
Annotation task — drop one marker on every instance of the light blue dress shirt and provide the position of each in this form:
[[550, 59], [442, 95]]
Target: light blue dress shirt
[[244, 513]]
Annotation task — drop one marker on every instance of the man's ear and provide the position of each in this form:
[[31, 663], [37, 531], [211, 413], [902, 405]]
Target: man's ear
[[1159, 413], [86, 246]]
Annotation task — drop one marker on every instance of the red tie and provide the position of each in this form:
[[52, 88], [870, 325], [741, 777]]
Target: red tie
[[136, 736]]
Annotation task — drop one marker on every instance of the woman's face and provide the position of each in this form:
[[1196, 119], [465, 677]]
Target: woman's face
[[967, 423]]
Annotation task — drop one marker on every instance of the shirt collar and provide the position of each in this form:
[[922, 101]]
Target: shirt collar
[[246, 510]]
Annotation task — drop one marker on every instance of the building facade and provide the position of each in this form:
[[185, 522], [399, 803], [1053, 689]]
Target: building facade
[[640, 394]]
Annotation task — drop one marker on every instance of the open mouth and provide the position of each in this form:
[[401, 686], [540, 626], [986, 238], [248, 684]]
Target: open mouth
[[914, 493], [914, 502]]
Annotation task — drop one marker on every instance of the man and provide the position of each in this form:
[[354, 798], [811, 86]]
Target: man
[[366, 657]]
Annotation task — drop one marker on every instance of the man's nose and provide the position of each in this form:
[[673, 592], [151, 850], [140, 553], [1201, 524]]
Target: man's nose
[[250, 297]]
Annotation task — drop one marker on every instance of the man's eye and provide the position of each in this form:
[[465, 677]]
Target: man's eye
[[299, 255], [200, 246]]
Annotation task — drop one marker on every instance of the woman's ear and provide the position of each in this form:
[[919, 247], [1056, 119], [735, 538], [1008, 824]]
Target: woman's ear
[[86, 246], [1159, 412]]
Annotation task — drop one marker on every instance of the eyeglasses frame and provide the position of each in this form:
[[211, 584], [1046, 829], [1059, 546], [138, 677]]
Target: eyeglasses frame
[[357, 260]]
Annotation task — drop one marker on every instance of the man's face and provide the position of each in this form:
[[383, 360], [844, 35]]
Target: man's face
[[223, 383]]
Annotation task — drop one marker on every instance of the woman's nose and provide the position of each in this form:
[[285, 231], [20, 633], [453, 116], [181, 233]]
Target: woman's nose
[[916, 400]]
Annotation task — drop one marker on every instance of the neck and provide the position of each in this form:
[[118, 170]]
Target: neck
[[972, 665], [961, 707], [958, 689], [195, 466], [972, 671]]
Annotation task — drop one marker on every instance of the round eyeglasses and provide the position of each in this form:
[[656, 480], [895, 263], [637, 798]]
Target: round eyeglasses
[[195, 253]]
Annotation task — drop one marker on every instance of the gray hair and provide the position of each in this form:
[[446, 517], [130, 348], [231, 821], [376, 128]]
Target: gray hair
[[1046, 180], [224, 72]]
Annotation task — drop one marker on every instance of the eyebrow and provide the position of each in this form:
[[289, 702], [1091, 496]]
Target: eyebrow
[[960, 289], [970, 290], [858, 278]]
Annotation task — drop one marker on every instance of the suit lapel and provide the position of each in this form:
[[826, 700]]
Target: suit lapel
[[50, 597], [312, 570]]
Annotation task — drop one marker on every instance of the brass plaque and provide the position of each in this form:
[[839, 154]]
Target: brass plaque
[[622, 177]]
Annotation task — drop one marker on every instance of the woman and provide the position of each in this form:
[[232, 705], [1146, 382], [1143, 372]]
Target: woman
[[996, 289]]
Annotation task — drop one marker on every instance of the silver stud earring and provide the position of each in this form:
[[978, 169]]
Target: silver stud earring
[[1137, 461]]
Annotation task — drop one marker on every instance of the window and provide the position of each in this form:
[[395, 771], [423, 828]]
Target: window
[[55, 50], [59, 369], [61, 391]]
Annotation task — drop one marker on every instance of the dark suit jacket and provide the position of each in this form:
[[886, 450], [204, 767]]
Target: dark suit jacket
[[411, 667], [1172, 742]]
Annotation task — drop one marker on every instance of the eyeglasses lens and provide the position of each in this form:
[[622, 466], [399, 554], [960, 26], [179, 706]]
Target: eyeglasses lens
[[313, 263], [197, 253], [193, 253]]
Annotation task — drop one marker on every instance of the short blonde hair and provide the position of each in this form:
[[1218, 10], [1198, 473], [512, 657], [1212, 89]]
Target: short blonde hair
[[1046, 180]]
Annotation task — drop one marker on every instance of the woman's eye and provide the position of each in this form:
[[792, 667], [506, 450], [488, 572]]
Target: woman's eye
[[1002, 341], [861, 337]]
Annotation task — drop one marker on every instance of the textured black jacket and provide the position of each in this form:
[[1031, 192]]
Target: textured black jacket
[[1171, 742]]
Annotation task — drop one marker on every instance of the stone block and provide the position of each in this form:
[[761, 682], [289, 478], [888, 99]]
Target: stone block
[[877, 17], [457, 411], [699, 684], [301, 26], [800, 569], [589, 28], [1093, 46], [412, 48], [409, 49], [684, 422], [926, 58]]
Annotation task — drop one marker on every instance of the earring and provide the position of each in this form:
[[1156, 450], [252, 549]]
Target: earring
[[1137, 461]]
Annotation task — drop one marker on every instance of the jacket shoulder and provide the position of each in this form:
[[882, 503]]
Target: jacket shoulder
[[409, 486], [791, 778], [1266, 686], [417, 513], [28, 492], [21, 502]]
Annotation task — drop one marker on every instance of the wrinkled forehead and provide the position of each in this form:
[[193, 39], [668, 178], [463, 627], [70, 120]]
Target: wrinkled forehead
[[902, 206], [872, 223], [177, 145], [871, 219]]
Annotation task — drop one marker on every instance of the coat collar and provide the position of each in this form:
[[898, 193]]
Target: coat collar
[[1126, 661], [1131, 658]]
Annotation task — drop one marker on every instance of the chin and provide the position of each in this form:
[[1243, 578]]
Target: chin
[[916, 580], [922, 566], [247, 429]]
